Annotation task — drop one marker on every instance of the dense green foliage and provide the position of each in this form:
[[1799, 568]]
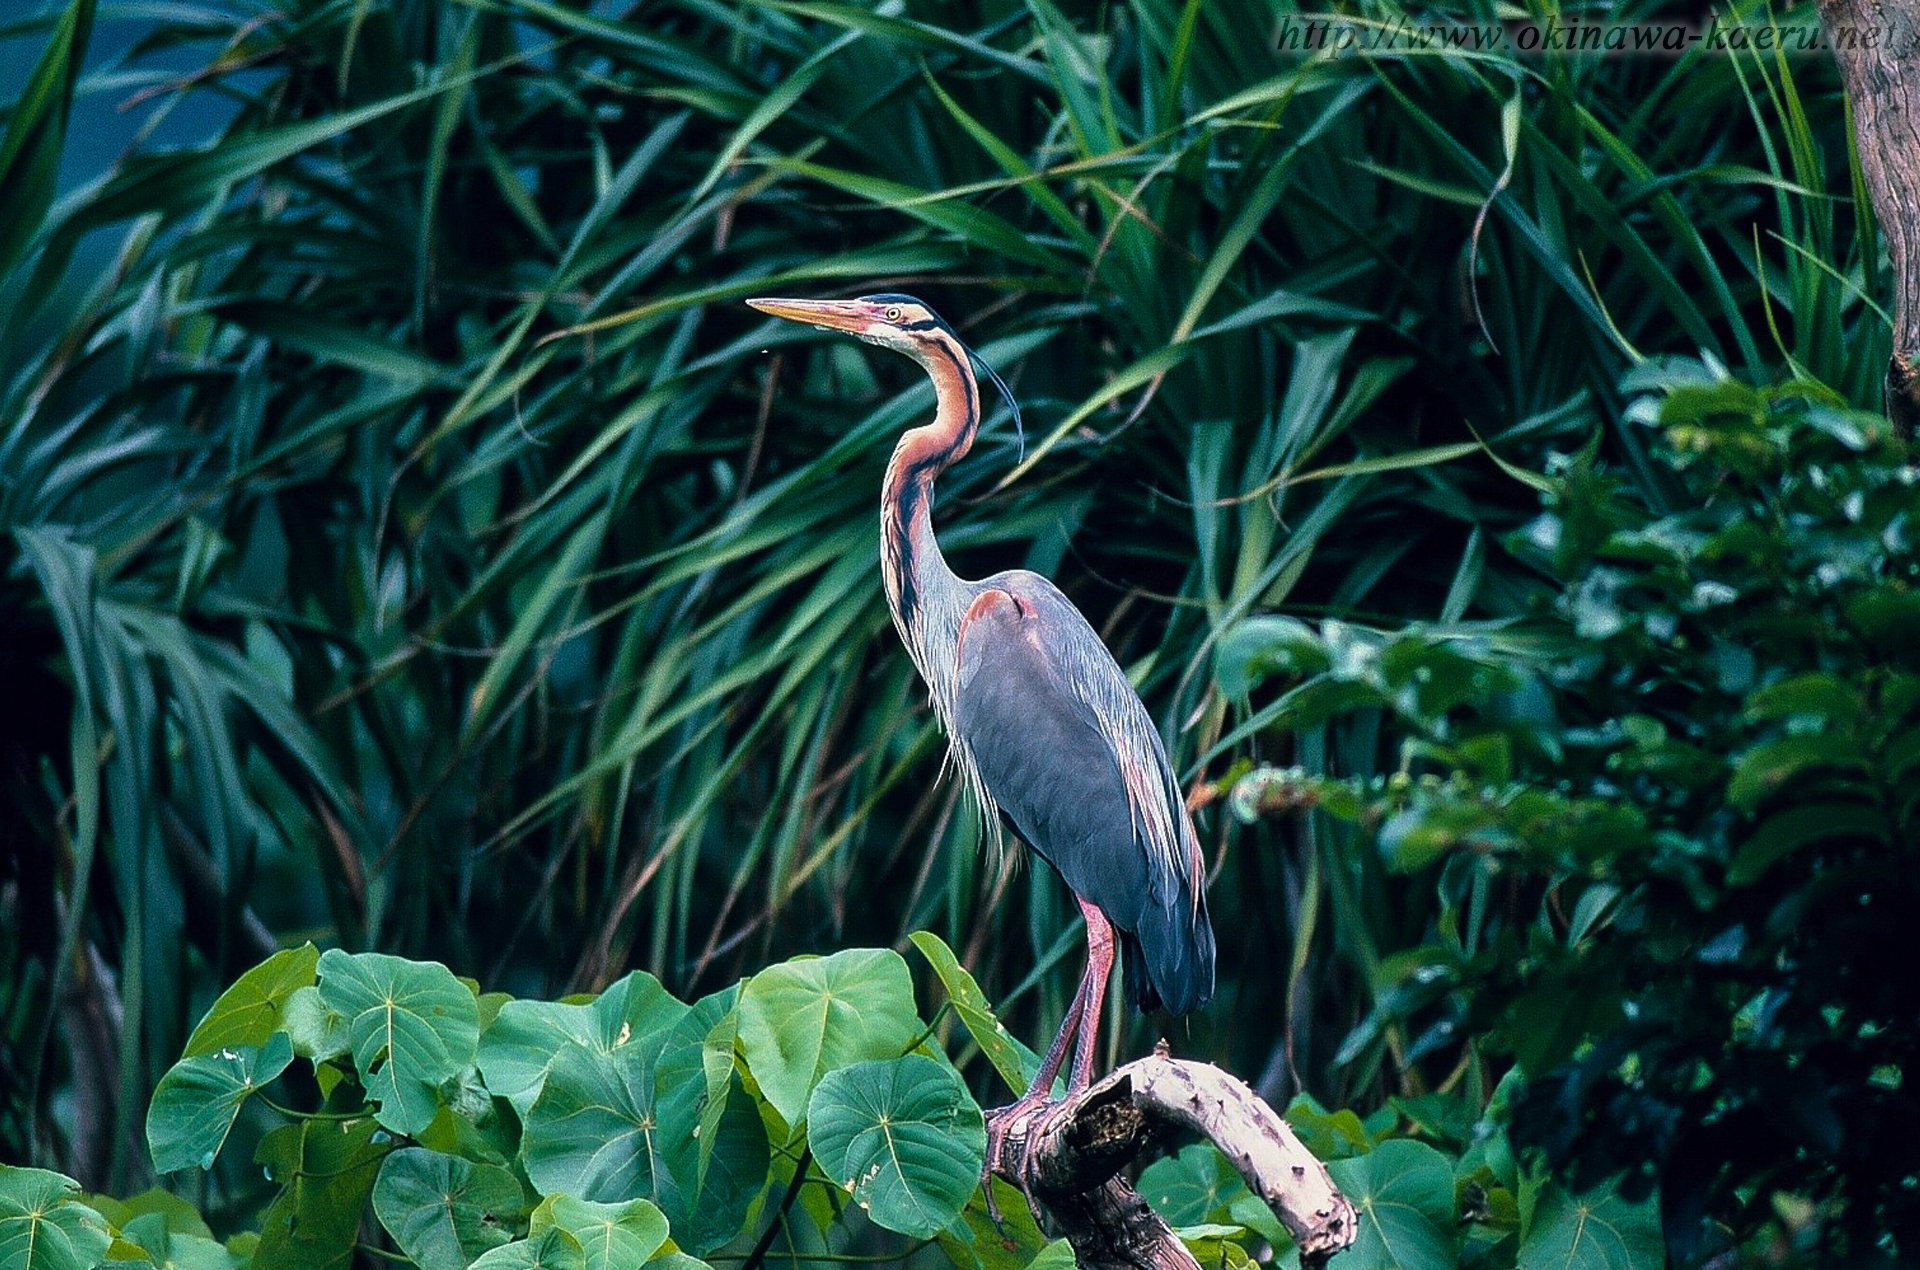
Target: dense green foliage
[[407, 542], [632, 1129], [1669, 830]]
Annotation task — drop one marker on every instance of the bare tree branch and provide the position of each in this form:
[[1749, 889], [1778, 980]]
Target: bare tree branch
[[1877, 44], [1080, 1145]]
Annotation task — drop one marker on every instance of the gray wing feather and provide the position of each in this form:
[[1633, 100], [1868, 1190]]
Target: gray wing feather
[[1054, 737]]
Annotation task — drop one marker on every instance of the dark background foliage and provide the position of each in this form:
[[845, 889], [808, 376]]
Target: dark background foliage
[[1669, 834]]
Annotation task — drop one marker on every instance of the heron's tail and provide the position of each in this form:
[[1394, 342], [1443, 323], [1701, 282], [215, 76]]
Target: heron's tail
[[1170, 958]]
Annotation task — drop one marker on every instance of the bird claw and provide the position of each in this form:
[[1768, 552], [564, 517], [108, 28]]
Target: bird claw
[[997, 1120]]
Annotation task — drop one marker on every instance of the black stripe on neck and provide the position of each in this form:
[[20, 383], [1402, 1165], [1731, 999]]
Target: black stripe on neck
[[910, 480], [903, 550]]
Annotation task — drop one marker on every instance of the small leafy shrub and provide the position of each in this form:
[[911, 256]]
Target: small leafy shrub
[[1670, 819], [1436, 1186], [620, 1130], [630, 1129]]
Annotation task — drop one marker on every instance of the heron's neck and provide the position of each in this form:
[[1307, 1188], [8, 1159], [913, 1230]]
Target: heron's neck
[[926, 597]]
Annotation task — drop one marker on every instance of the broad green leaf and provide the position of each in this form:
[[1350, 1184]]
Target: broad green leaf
[[1788, 830], [978, 1242], [696, 1071], [593, 1131], [255, 1006], [1216, 1245], [171, 1249], [179, 1216], [413, 1027], [1251, 1212], [1261, 646], [635, 1010], [552, 1249], [522, 1042], [904, 1138], [1014, 1061], [43, 1224], [1331, 1135], [606, 1127], [523, 1039], [318, 1031], [1446, 1118], [674, 1259], [1404, 1192], [1769, 766], [1595, 1231], [326, 1171], [1195, 1186], [708, 1205], [1820, 696], [611, 1236], [806, 1017], [197, 1101], [718, 1067], [442, 1210]]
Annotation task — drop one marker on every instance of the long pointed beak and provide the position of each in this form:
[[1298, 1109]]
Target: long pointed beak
[[828, 315]]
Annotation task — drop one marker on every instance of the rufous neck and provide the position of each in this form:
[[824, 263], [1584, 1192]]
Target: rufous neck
[[911, 560]]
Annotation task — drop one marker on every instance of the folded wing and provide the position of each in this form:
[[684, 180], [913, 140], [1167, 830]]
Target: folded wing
[[1059, 741]]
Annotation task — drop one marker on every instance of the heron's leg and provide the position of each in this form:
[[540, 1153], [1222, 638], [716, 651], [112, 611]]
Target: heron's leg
[[1056, 1054], [1038, 1092], [1092, 985], [1093, 992], [1083, 1021]]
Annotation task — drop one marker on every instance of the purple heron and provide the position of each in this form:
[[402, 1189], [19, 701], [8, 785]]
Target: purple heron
[[1041, 720]]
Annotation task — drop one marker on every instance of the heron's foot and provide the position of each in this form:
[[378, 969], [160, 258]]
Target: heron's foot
[[998, 1119]]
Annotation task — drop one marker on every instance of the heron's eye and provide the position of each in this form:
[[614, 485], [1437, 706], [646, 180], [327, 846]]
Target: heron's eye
[[893, 313]]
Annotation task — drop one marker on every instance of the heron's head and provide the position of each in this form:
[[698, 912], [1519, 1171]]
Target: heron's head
[[891, 320]]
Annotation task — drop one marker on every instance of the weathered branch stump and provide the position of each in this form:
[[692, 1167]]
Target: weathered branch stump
[[1081, 1145], [1877, 44]]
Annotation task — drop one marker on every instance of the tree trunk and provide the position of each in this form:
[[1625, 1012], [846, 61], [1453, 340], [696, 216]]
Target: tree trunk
[[1079, 1146], [1877, 44]]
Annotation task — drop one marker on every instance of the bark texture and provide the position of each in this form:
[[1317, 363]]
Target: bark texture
[[1080, 1145], [1877, 44]]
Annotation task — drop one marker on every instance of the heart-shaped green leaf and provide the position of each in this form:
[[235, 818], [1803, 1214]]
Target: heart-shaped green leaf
[[326, 1171], [612, 1126], [523, 1040], [903, 1136], [1595, 1231], [43, 1224], [806, 1017], [253, 1008], [170, 1249], [520, 1044], [1193, 1187], [552, 1249], [611, 1236], [412, 1026], [197, 1101], [442, 1210], [317, 1030], [1404, 1192]]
